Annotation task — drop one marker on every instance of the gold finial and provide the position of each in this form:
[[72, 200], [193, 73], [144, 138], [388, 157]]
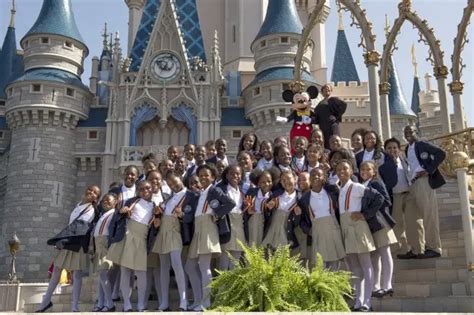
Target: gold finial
[[387, 25], [12, 16], [413, 59], [341, 24], [104, 35]]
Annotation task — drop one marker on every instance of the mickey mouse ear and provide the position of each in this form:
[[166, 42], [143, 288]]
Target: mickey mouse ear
[[312, 91], [287, 95]]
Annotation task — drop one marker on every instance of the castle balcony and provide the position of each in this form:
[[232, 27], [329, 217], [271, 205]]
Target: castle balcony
[[133, 155]]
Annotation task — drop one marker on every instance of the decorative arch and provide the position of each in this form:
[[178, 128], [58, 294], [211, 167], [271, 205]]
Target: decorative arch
[[371, 55], [456, 87], [436, 57], [140, 115]]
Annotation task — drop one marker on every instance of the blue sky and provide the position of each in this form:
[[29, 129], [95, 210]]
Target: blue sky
[[442, 15]]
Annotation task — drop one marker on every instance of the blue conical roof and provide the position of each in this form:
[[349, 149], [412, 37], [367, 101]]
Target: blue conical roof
[[11, 65], [396, 99], [281, 17], [343, 68], [56, 17]]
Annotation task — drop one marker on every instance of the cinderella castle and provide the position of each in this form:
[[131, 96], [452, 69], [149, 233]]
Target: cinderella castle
[[186, 78]]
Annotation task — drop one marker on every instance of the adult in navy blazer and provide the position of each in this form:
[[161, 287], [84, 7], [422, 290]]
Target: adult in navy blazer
[[429, 156], [221, 149], [200, 159]]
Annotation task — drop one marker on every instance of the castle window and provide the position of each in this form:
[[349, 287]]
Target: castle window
[[2, 103], [44, 40], [68, 44], [263, 44], [2, 135], [36, 88], [26, 44], [236, 134], [10, 92], [284, 40], [92, 135], [234, 34], [70, 92], [256, 91]]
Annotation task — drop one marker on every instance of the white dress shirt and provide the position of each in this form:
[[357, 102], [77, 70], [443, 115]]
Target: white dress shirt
[[264, 164], [333, 179], [174, 200], [402, 180], [299, 163], [320, 204], [368, 156], [355, 199], [128, 193], [312, 168], [88, 215], [202, 206], [157, 198], [165, 188], [246, 183], [102, 226], [286, 201], [414, 165], [142, 211], [259, 199], [237, 196]]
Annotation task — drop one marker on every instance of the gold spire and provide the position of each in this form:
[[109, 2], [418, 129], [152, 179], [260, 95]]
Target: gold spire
[[12, 16], [341, 24], [105, 35], [413, 59], [387, 25]]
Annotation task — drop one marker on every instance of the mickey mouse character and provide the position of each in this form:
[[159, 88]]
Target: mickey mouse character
[[301, 114]]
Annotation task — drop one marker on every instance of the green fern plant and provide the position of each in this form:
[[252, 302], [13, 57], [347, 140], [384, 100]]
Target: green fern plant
[[280, 283]]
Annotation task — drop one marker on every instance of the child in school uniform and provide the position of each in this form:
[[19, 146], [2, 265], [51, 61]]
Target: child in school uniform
[[254, 206], [320, 219], [230, 185], [382, 233], [266, 154], [128, 243], [169, 242], [313, 155], [298, 161], [101, 264], [72, 257], [245, 163], [304, 186], [356, 205], [213, 204], [281, 205], [282, 159], [249, 143]]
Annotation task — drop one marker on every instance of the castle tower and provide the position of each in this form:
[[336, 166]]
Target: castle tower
[[43, 108], [274, 51]]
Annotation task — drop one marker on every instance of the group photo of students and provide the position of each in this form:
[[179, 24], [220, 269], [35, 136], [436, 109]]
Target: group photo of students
[[184, 216]]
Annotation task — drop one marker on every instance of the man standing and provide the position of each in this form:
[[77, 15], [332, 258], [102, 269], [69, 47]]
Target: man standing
[[328, 114], [424, 177]]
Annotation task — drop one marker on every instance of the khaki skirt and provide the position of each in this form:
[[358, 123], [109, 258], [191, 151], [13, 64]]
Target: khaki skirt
[[256, 222], [169, 236], [276, 235], [205, 237], [101, 262], [327, 239], [356, 235], [384, 237], [71, 261], [131, 251], [236, 233], [153, 260]]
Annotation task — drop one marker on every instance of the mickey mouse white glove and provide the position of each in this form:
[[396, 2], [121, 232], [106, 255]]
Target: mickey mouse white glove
[[281, 119]]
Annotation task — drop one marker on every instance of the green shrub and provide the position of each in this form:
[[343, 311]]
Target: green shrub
[[278, 283]]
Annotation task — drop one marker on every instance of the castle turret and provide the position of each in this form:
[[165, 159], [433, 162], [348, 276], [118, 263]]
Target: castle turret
[[43, 108], [274, 51]]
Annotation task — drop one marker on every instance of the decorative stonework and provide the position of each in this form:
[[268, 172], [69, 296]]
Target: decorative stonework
[[384, 88], [372, 57], [441, 72], [460, 160], [456, 87]]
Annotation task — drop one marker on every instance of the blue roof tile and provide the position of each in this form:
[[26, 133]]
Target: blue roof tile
[[343, 68], [97, 117], [234, 117], [279, 73], [396, 98], [11, 64], [281, 17], [56, 17], [53, 75], [188, 22]]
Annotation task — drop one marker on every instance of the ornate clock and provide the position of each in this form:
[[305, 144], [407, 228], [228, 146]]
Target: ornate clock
[[165, 66]]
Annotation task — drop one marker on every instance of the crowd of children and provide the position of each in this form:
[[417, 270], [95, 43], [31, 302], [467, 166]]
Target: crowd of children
[[181, 212]]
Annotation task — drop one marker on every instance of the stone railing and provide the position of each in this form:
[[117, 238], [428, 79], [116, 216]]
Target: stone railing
[[133, 155], [459, 141]]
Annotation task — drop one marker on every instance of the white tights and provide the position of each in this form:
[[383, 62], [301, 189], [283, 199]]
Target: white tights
[[173, 259], [53, 283], [125, 287], [104, 290], [199, 273], [361, 267], [382, 263], [225, 263]]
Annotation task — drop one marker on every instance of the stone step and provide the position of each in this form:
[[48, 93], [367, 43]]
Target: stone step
[[421, 289], [441, 263], [455, 304], [430, 275]]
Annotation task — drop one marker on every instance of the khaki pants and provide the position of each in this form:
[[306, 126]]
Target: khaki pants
[[422, 205], [399, 213]]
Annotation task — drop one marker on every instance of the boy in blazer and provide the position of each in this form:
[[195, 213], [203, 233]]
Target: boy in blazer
[[424, 159]]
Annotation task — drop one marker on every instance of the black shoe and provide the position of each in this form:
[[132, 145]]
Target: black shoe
[[164, 310], [182, 309], [143, 310], [389, 292], [379, 293], [108, 310], [355, 309], [408, 255], [44, 309], [430, 254], [365, 309], [98, 308], [116, 299]]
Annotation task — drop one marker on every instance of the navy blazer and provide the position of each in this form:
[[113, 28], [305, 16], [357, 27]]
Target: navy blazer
[[213, 160], [190, 201], [383, 216], [387, 170], [223, 206], [430, 158], [371, 203], [118, 192], [224, 223]]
